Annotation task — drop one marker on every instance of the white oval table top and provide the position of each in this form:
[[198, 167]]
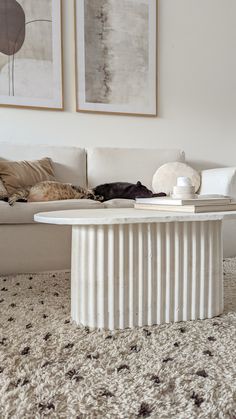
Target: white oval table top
[[124, 216]]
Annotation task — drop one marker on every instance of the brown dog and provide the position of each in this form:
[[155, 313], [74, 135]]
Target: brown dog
[[52, 191]]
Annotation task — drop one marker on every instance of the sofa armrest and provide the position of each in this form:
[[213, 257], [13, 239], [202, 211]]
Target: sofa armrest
[[219, 181]]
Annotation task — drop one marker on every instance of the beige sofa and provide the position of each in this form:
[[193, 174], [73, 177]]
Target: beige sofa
[[26, 246]]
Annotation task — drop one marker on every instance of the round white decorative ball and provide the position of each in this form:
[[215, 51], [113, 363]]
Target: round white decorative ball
[[166, 177]]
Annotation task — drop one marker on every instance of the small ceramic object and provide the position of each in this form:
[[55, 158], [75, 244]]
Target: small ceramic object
[[184, 189], [184, 181]]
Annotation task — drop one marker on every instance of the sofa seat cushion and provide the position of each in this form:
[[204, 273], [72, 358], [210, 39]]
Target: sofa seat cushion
[[119, 203], [23, 213]]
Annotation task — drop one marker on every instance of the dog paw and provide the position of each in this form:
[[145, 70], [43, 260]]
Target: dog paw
[[11, 201], [99, 198]]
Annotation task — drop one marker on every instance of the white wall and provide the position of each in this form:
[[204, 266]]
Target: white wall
[[196, 93]]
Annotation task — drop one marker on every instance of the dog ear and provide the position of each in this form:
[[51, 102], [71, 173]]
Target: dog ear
[[139, 183]]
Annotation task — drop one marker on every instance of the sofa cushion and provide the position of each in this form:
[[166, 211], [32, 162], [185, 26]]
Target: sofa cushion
[[119, 203], [69, 163], [20, 174], [23, 213], [107, 165]]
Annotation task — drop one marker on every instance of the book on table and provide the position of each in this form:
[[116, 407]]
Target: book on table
[[201, 200], [187, 208], [201, 204]]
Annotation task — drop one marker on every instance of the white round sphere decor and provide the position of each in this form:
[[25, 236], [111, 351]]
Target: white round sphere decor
[[166, 177]]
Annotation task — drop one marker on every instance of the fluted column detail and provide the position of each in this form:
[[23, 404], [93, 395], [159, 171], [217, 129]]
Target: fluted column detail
[[143, 274]]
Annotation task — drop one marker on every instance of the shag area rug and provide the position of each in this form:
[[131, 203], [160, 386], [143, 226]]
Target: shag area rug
[[52, 368]]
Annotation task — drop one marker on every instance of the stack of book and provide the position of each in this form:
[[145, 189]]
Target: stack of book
[[201, 204]]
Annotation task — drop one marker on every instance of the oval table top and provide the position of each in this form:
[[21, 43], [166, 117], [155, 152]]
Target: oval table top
[[106, 216]]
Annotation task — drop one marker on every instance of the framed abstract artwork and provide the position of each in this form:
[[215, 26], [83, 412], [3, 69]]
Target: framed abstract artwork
[[31, 54], [116, 56]]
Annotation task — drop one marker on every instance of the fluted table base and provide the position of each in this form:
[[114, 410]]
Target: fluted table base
[[144, 274]]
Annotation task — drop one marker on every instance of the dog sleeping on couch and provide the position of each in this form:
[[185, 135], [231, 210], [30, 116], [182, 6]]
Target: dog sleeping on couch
[[54, 191]]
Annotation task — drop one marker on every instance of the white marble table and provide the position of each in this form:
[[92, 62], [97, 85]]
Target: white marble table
[[136, 267]]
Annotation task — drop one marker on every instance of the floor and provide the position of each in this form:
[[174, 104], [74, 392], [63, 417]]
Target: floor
[[52, 368]]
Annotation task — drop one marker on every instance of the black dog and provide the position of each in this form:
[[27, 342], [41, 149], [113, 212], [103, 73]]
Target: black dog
[[124, 190]]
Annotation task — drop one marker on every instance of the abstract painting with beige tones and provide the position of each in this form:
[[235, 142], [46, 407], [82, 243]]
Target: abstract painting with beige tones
[[116, 56], [30, 53]]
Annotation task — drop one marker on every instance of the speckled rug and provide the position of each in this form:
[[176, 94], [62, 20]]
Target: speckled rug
[[51, 368]]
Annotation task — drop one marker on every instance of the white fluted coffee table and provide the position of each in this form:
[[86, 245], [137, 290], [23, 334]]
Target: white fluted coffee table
[[136, 267]]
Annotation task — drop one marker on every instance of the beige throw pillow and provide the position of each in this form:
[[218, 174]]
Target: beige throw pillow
[[20, 174]]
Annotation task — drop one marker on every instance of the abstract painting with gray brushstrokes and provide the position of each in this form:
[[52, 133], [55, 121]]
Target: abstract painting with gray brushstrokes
[[116, 53]]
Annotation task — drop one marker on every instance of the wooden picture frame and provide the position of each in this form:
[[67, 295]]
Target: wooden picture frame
[[113, 74], [31, 54]]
